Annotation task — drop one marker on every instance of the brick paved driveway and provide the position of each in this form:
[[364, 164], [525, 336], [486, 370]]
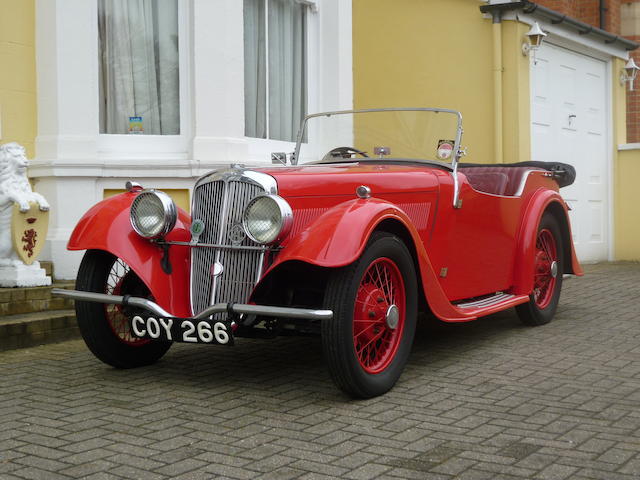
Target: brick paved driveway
[[486, 400]]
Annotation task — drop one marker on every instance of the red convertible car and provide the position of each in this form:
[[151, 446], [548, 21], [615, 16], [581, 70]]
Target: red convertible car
[[370, 220]]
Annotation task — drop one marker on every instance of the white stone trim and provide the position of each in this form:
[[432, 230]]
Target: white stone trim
[[629, 146]]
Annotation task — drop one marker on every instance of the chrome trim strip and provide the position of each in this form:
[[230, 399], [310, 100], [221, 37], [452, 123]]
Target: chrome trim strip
[[221, 232], [456, 184], [240, 174], [266, 310], [238, 308], [215, 245], [523, 181]]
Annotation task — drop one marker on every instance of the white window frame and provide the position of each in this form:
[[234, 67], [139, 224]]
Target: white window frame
[[158, 147], [260, 149]]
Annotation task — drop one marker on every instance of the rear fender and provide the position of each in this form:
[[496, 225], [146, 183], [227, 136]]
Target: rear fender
[[106, 226], [339, 236], [541, 202]]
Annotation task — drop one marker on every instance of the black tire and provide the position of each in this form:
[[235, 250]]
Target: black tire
[[96, 274], [543, 303], [348, 367]]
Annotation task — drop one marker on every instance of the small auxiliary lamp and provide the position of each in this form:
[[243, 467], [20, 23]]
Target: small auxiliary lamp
[[629, 73], [535, 37]]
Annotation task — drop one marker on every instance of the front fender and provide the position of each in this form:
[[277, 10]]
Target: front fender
[[541, 202], [338, 237], [106, 226]]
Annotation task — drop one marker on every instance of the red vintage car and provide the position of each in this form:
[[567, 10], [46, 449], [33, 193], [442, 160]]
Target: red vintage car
[[370, 220]]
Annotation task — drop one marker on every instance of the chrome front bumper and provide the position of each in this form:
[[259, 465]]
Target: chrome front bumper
[[238, 308]]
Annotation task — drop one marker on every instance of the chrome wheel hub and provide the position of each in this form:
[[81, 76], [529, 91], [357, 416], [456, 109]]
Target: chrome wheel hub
[[393, 317], [554, 269]]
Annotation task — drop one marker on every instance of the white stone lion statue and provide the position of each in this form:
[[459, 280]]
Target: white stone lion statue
[[14, 188]]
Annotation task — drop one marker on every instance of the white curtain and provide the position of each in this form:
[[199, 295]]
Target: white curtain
[[255, 72], [286, 59], [139, 71], [287, 82]]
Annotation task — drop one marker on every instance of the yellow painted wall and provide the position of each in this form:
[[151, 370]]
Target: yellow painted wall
[[618, 105], [627, 215], [516, 94], [179, 195], [439, 53], [18, 121], [626, 178]]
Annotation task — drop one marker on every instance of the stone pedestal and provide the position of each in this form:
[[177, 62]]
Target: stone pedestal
[[23, 275]]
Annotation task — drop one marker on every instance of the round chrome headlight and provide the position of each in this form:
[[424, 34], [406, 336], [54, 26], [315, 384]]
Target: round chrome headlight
[[153, 214], [267, 219]]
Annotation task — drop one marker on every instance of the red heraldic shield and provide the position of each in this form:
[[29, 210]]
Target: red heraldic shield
[[29, 231]]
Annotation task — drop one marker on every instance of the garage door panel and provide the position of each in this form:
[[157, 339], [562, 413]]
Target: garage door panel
[[594, 121], [596, 226], [566, 84], [545, 141], [593, 84], [542, 114]]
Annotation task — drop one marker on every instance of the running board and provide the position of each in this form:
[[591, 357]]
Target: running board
[[487, 301], [470, 310]]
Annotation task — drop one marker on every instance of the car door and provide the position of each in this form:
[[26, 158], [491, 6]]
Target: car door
[[473, 246]]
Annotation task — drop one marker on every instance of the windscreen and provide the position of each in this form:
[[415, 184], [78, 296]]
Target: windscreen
[[412, 135]]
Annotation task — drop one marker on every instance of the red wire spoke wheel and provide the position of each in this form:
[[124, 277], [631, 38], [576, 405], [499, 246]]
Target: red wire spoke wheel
[[122, 281], [374, 302], [106, 329], [546, 268], [378, 317], [547, 274]]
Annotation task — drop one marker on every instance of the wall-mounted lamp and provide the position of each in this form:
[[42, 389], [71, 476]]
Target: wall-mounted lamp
[[629, 73], [535, 37]]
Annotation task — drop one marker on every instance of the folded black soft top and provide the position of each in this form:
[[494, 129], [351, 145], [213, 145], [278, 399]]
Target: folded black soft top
[[564, 173]]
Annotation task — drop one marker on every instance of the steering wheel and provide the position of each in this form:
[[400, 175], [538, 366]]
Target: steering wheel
[[343, 152]]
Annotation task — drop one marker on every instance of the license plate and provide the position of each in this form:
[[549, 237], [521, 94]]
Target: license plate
[[187, 330]]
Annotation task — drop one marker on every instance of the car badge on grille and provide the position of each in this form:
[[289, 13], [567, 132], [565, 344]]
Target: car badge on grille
[[216, 269], [236, 234], [197, 227]]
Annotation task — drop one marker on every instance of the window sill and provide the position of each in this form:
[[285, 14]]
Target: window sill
[[125, 167], [136, 145]]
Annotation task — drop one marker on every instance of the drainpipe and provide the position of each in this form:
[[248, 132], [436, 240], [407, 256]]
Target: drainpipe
[[497, 84], [603, 10]]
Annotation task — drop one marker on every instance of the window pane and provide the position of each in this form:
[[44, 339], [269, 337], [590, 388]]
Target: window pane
[[139, 72], [275, 85], [255, 73], [287, 68]]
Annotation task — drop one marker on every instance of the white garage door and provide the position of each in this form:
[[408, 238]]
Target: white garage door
[[569, 124]]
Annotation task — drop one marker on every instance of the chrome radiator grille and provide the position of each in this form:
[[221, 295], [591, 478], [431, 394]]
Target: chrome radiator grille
[[220, 204]]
